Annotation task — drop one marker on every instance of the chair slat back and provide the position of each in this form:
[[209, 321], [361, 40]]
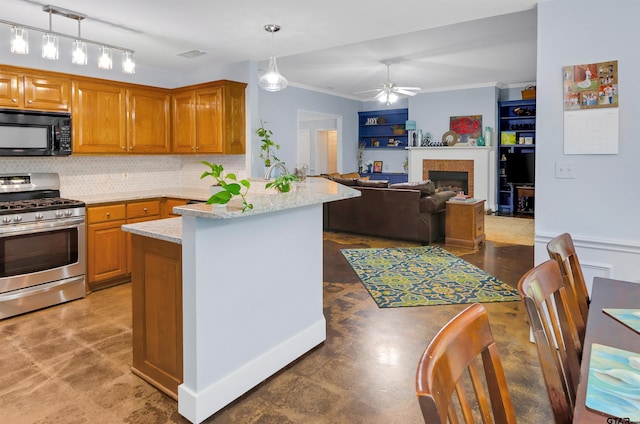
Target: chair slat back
[[562, 250], [547, 304], [463, 355]]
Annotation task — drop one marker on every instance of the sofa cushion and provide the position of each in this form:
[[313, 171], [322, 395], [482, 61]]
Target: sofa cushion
[[426, 187], [350, 175], [345, 181], [372, 183]]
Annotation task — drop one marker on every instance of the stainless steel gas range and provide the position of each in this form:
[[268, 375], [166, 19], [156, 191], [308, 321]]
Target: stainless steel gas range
[[42, 244]]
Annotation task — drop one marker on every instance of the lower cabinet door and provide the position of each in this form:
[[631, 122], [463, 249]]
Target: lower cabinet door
[[107, 252]]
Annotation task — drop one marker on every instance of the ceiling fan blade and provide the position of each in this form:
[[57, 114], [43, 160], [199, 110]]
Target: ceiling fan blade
[[380, 95], [405, 92], [367, 91], [409, 88]]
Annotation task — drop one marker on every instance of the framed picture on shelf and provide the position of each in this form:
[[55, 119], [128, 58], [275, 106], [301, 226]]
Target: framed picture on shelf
[[377, 166]]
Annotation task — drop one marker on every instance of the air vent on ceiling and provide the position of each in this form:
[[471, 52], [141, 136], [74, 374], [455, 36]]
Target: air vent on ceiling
[[192, 53]]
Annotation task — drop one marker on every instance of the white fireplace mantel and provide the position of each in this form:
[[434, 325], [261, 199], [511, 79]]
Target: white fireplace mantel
[[484, 165]]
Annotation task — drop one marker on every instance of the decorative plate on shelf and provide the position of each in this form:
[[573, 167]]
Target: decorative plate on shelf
[[450, 138]]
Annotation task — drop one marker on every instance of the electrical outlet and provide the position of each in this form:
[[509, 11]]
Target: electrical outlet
[[565, 169]]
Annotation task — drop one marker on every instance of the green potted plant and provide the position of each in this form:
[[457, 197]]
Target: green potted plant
[[398, 129], [229, 186], [267, 146], [282, 183]]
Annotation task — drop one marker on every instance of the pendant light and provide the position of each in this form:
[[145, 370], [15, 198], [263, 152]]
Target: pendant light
[[105, 60], [272, 80], [19, 40], [79, 49], [128, 65], [50, 44]]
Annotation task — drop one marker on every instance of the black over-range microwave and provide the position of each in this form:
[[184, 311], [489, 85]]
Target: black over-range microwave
[[34, 133]]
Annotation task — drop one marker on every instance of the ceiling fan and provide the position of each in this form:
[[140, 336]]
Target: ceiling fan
[[389, 92]]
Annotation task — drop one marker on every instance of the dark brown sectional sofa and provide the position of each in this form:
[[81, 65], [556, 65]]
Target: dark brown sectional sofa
[[405, 211]]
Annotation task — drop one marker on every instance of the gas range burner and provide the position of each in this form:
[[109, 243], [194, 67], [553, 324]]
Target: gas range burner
[[31, 205]]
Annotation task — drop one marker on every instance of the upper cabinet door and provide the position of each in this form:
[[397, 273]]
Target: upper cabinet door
[[27, 91], [10, 95], [149, 113], [99, 117], [209, 121], [183, 122], [46, 93]]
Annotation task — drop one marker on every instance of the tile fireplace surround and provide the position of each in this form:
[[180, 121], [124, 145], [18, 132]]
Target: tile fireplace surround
[[479, 162]]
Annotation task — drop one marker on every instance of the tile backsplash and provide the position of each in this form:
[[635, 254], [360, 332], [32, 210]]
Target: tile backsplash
[[87, 175]]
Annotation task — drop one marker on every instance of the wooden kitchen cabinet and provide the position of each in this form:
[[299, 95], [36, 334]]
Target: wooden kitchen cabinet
[[33, 91], [118, 118], [99, 117], [148, 120], [209, 118], [464, 223], [156, 292], [106, 246], [140, 211], [167, 205]]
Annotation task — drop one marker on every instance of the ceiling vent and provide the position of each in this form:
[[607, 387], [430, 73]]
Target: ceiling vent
[[192, 53]]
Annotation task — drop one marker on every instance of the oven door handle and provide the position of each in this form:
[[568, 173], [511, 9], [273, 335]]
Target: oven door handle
[[41, 227]]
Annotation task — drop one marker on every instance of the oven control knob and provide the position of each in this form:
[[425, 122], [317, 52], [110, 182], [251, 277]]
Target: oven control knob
[[17, 218], [39, 216], [6, 220], [59, 214], [68, 212]]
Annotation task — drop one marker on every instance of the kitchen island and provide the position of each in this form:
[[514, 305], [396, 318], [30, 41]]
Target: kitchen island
[[251, 290]]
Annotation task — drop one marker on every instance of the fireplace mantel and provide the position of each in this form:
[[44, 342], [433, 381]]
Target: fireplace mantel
[[484, 167]]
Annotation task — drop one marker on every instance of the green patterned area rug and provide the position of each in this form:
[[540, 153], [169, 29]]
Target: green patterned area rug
[[421, 276]]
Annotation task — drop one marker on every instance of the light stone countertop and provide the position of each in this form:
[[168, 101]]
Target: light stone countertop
[[174, 192], [169, 229], [310, 192]]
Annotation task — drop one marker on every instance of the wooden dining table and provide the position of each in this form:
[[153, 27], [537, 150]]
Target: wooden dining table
[[605, 330]]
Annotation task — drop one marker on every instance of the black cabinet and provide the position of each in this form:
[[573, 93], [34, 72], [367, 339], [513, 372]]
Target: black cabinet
[[516, 151], [383, 129]]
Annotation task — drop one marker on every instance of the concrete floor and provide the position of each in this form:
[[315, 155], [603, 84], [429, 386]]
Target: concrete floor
[[70, 363]]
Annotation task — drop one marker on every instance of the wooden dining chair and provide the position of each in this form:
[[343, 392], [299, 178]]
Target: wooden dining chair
[[547, 304], [463, 344], [562, 251]]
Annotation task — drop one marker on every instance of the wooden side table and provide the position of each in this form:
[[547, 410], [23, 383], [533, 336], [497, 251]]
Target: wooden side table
[[464, 223]]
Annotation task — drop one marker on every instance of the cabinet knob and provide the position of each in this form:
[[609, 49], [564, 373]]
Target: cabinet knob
[[145, 210], [14, 100], [108, 214], [193, 148], [30, 101], [123, 148]]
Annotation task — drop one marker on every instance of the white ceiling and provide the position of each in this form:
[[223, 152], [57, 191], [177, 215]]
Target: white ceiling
[[336, 46]]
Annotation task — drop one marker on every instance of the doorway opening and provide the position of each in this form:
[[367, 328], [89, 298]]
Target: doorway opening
[[319, 141]]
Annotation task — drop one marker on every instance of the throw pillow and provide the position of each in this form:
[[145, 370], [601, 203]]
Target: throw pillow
[[426, 187]]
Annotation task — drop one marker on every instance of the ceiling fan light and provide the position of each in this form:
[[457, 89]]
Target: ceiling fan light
[[272, 80], [79, 53], [50, 47], [105, 60], [19, 40], [392, 98]]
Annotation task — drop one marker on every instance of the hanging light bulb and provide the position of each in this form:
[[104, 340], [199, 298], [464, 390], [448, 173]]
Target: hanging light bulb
[[79, 53], [105, 60], [79, 49], [50, 47], [19, 40], [128, 65], [50, 44], [272, 80]]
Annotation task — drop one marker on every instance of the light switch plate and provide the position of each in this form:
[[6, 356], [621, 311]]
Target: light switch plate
[[565, 169]]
